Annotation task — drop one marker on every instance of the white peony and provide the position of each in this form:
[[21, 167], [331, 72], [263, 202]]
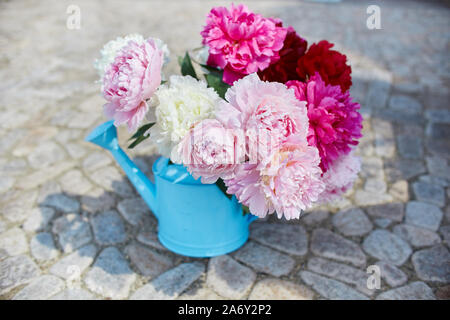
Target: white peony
[[109, 51], [183, 103]]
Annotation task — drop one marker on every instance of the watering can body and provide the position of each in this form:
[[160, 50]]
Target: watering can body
[[194, 219]]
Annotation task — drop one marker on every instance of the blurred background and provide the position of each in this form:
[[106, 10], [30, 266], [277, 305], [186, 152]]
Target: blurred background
[[64, 203]]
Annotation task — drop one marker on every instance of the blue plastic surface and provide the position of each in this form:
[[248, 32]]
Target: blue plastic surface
[[194, 219]]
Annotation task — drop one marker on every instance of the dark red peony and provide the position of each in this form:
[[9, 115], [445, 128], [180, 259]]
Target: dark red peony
[[284, 69], [331, 65]]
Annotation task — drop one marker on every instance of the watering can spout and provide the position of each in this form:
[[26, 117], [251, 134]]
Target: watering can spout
[[105, 136]]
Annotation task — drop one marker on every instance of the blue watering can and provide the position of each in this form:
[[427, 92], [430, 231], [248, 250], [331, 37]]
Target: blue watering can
[[194, 219]]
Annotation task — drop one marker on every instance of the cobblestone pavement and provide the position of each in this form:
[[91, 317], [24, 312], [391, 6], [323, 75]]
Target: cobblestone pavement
[[72, 227]]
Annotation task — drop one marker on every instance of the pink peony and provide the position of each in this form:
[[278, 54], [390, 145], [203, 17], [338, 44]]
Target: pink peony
[[130, 81], [334, 121], [241, 42], [340, 177], [266, 112], [210, 151], [289, 183]]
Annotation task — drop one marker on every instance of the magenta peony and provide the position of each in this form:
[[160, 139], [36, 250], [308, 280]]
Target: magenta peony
[[241, 42], [340, 177], [130, 81], [266, 112], [210, 151], [334, 121]]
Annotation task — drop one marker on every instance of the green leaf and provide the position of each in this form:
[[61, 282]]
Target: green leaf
[[187, 69], [223, 187], [214, 80], [245, 210], [140, 135]]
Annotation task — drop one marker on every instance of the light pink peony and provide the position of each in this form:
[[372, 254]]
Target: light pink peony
[[210, 151], [340, 177], [130, 81], [335, 123], [288, 183], [266, 112], [241, 42]]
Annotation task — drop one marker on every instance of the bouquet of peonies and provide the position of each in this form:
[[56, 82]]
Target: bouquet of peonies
[[272, 123]]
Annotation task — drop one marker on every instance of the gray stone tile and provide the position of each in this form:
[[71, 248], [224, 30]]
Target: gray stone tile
[[42, 247], [41, 288], [13, 241], [329, 288], [423, 215], [16, 271], [430, 193], [413, 291], [331, 245], [410, 147], [416, 236], [288, 238], [391, 274], [73, 294], [38, 219], [110, 275], [264, 259], [150, 239], [170, 284], [148, 262], [133, 210], [229, 278], [352, 222], [432, 264], [73, 231], [108, 228], [74, 264], [386, 246]]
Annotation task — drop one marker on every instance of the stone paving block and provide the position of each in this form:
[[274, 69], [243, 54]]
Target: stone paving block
[[41, 288], [42, 247], [352, 222], [315, 217], [38, 219], [391, 274], [438, 166], [45, 155], [110, 275], [6, 183], [39, 177], [98, 200], [170, 284], [423, 215], [288, 238], [410, 147], [404, 169], [148, 262], [18, 209], [108, 228], [96, 160], [386, 246], [229, 278], [413, 291], [74, 182], [432, 264], [73, 294], [399, 190], [275, 289], [327, 244], [417, 237], [112, 180], [74, 264], [62, 202], [150, 239], [264, 259], [405, 104], [438, 115], [329, 288], [201, 293], [340, 272], [133, 210], [382, 222], [73, 231], [368, 198], [16, 271], [13, 241], [430, 193], [445, 232]]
